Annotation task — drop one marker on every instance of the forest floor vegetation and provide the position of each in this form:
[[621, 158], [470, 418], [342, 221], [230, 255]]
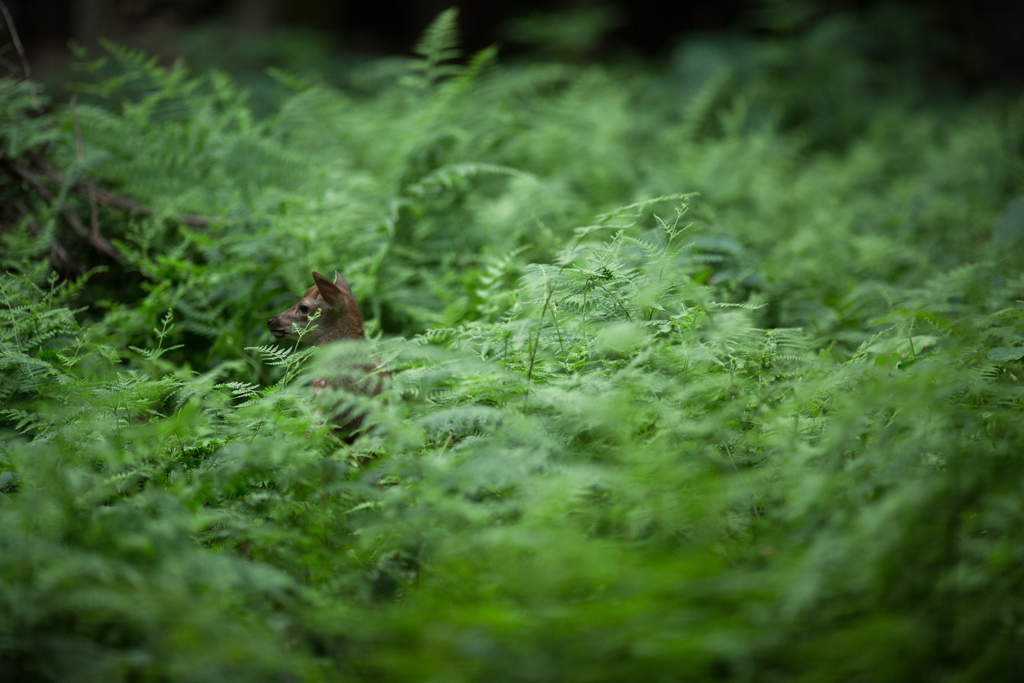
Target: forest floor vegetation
[[703, 371]]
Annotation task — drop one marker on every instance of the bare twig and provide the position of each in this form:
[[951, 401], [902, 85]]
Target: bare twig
[[58, 254], [616, 299], [536, 343], [27, 176], [125, 204], [115, 202], [70, 216], [94, 213], [40, 172], [26, 69]]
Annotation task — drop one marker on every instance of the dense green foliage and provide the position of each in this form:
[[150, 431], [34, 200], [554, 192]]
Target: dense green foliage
[[712, 372]]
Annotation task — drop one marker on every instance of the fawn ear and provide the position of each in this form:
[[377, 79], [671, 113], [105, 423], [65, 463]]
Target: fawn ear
[[342, 282], [329, 291]]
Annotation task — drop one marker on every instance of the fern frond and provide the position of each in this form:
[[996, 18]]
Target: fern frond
[[439, 44]]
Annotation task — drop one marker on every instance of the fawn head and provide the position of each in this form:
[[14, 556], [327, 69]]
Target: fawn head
[[339, 314]]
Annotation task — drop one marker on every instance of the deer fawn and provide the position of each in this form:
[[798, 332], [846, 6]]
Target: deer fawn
[[339, 319]]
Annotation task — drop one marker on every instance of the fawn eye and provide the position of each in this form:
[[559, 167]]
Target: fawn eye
[[304, 308]]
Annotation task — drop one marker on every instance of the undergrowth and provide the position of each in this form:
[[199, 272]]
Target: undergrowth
[[686, 382]]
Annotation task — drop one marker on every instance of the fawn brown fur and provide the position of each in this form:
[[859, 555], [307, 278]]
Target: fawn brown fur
[[339, 320]]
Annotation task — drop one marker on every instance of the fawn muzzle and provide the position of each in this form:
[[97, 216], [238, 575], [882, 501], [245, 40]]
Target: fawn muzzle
[[276, 328]]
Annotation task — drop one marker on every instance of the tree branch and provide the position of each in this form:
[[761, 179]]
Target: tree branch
[[94, 213], [112, 201], [26, 69], [72, 219]]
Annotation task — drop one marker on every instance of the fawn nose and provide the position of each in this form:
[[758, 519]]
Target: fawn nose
[[270, 323]]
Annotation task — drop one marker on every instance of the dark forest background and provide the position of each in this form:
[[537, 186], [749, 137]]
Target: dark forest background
[[983, 38]]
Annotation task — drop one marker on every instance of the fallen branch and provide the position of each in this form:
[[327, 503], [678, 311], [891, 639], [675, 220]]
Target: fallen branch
[[72, 219], [58, 254], [96, 196], [25, 68], [125, 204], [94, 213], [112, 201]]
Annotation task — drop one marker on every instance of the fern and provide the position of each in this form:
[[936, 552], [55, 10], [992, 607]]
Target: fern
[[767, 431], [438, 45]]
